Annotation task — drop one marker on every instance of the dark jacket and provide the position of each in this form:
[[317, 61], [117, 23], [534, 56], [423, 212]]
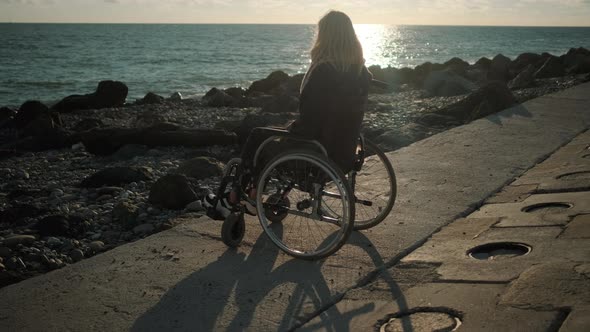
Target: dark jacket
[[331, 110]]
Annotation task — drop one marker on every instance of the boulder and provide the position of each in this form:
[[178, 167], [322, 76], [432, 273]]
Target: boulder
[[6, 115], [218, 98], [200, 168], [282, 104], [457, 65], [268, 84], [484, 63], [293, 85], [130, 151], [116, 176], [447, 83], [499, 68], [150, 98], [422, 71], [28, 112], [172, 191], [107, 141], [491, 98], [107, 94], [235, 92], [577, 61], [524, 79], [553, 67], [176, 96], [523, 61]]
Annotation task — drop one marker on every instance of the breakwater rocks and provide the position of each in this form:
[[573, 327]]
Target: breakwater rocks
[[94, 171]]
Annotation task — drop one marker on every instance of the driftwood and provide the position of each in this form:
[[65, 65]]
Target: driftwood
[[107, 141]]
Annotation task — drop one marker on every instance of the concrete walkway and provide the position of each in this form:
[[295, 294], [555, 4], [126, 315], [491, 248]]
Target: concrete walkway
[[185, 279]]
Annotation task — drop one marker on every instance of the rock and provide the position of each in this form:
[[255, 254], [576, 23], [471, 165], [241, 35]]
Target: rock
[[116, 176], [28, 112], [523, 61], [107, 94], [15, 240], [437, 120], [53, 242], [150, 98], [293, 85], [176, 96], [457, 65], [126, 214], [130, 151], [195, 206], [107, 141], [551, 68], [200, 168], [58, 225], [577, 61], [524, 79], [269, 85], [109, 191], [422, 71], [172, 192], [491, 98], [6, 115], [76, 255], [19, 212], [87, 124], [447, 83], [235, 92], [282, 104], [15, 263], [218, 98], [5, 252], [484, 63], [144, 229], [96, 246], [499, 68]]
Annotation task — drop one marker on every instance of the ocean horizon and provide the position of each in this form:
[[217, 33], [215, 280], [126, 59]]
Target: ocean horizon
[[48, 61]]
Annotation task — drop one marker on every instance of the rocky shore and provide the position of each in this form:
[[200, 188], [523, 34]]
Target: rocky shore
[[95, 171]]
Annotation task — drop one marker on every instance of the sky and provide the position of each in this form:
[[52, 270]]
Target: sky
[[421, 12]]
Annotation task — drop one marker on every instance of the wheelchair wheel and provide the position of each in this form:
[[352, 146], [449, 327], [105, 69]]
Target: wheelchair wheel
[[233, 230], [375, 188], [305, 231]]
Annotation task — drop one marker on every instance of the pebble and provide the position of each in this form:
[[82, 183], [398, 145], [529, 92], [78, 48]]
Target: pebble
[[53, 242], [104, 198], [96, 246], [77, 255], [5, 252], [22, 174], [143, 229], [15, 263], [195, 206], [57, 193], [2, 267]]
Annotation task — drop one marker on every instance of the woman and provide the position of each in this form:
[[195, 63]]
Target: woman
[[332, 102]]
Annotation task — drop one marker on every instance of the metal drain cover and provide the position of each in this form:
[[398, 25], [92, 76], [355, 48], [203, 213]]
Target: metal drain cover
[[576, 176], [499, 250], [420, 320], [546, 208]]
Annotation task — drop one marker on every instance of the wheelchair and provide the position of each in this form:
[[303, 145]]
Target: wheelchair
[[305, 204]]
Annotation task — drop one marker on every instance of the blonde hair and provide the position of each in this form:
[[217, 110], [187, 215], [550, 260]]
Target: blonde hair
[[337, 43]]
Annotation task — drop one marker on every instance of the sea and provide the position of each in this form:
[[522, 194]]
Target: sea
[[50, 61]]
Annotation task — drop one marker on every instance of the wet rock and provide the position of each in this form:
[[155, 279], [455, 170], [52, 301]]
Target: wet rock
[[172, 192], [15, 240], [524, 79], [551, 68], [150, 98], [282, 104], [127, 214], [499, 68], [200, 168], [218, 98], [107, 94], [116, 176], [270, 84]]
